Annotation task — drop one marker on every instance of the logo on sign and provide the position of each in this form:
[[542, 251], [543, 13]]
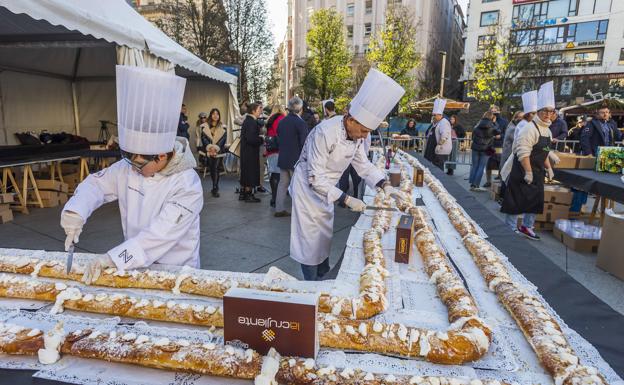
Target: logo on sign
[[403, 245], [268, 335], [125, 256]]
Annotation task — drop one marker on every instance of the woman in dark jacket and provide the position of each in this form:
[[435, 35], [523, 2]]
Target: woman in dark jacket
[[410, 128], [213, 135], [483, 136], [250, 154]]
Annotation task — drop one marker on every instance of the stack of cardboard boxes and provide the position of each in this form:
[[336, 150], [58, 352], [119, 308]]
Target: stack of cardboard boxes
[[53, 193], [557, 201], [6, 215]]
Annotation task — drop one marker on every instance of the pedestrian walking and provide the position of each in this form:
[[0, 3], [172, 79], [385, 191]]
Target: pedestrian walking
[[212, 135], [494, 162], [525, 172], [272, 149], [291, 133], [482, 147]]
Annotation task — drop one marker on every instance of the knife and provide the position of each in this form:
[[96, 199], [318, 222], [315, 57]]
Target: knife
[[70, 257], [377, 208]]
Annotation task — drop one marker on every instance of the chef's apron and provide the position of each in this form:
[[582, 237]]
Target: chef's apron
[[521, 197], [431, 144]]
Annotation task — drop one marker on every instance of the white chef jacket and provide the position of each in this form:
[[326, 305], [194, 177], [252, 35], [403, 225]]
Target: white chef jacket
[[159, 214], [325, 156]]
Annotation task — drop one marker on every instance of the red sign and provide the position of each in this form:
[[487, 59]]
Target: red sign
[[524, 1]]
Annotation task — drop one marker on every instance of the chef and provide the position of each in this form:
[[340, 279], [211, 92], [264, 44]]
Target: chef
[[330, 148], [158, 191], [525, 170]]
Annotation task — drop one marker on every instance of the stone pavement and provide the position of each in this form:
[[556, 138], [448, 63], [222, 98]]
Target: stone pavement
[[581, 266], [235, 236]]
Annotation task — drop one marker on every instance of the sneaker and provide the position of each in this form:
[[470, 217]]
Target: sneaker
[[487, 184], [529, 233], [281, 214], [480, 189], [261, 189]]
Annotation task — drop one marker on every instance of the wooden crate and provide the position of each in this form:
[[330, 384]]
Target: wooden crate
[[6, 215], [7, 198], [52, 185]]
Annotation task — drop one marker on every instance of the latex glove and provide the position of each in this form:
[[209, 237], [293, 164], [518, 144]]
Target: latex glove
[[550, 174], [95, 266], [438, 149], [553, 158], [528, 177], [355, 204], [72, 224]]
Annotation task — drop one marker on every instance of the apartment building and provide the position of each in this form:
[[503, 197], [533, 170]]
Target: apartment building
[[581, 42], [440, 25]]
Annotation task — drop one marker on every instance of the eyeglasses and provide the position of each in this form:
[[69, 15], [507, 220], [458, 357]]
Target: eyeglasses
[[138, 166], [203, 117]]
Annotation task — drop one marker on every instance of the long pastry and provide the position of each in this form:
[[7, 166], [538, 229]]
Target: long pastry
[[537, 324]]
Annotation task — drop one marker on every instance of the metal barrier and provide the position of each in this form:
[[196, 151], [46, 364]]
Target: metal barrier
[[566, 145]]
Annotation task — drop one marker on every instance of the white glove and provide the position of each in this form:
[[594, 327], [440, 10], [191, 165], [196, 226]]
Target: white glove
[[355, 204], [72, 224], [550, 174], [553, 158], [95, 266], [528, 177]]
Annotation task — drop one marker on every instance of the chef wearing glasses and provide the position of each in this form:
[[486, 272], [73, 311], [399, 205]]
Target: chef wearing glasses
[[159, 192]]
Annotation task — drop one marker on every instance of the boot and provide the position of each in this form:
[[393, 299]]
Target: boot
[[215, 192], [274, 182], [251, 198], [242, 195]]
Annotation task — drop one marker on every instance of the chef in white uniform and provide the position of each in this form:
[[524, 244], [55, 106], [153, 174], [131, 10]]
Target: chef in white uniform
[[330, 148], [158, 191]]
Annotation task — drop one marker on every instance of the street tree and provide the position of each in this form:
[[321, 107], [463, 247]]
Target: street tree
[[327, 72], [496, 72], [393, 49], [251, 41], [199, 26]]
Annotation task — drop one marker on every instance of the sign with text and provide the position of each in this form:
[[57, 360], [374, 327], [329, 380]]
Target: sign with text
[[404, 232], [261, 320]]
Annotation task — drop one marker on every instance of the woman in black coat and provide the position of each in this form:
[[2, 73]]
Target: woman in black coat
[[250, 154], [483, 136]]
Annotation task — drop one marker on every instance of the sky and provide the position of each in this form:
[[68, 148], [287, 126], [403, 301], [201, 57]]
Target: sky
[[278, 16]]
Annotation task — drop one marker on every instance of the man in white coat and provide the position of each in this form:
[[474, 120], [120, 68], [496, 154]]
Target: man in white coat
[[158, 191], [443, 130], [330, 148]]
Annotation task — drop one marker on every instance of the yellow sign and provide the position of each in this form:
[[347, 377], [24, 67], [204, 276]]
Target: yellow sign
[[570, 45]]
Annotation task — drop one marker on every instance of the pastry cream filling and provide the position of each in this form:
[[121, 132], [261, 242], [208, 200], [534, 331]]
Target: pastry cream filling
[[52, 341], [69, 294]]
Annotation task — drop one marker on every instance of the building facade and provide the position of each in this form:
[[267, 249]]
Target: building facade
[[579, 42], [440, 25]]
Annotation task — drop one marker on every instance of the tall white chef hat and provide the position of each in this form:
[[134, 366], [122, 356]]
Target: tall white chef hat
[[375, 99], [438, 106], [148, 109], [529, 101], [546, 96]]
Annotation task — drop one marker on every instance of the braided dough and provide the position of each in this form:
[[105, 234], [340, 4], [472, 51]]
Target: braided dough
[[539, 326]]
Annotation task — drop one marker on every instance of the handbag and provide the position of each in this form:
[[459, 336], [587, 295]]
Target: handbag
[[235, 147], [271, 143]]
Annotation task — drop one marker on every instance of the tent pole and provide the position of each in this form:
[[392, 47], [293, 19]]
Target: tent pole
[[3, 121], [73, 88]]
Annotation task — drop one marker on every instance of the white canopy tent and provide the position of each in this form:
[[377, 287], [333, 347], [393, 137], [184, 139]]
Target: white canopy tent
[[57, 66]]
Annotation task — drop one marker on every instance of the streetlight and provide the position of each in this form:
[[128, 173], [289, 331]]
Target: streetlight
[[443, 53]]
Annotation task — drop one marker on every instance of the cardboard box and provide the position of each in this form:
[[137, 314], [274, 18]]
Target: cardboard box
[[610, 251], [7, 198], [557, 194], [6, 216], [577, 244], [51, 185], [261, 320], [575, 161], [49, 198], [544, 226], [404, 236], [419, 177]]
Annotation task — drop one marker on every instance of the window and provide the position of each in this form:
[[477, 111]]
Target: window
[[602, 6], [584, 57], [488, 1], [369, 6], [368, 29], [349, 31], [484, 41], [555, 58], [590, 7], [350, 9], [621, 62], [554, 35], [559, 8], [489, 18], [591, 30]]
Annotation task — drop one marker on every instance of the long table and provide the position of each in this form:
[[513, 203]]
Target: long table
[[593, 319]]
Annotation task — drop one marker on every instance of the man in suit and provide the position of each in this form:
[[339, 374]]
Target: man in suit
[[291, 135]]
